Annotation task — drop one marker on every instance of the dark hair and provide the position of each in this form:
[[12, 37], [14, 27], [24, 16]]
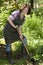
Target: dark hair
[[29, 9]]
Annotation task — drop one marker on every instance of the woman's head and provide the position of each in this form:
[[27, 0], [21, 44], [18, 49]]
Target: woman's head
[[25, 9]]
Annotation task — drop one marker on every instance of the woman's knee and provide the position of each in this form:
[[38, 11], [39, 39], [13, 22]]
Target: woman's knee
[[8, 47]]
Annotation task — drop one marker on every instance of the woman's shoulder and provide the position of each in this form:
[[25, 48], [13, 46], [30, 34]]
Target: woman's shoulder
[[15, 12]]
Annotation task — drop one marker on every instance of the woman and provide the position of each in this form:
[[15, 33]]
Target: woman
[[12, 29]]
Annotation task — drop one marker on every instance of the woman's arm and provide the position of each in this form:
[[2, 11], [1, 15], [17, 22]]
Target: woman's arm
[[11, 23], [20, 32], [17, 27]]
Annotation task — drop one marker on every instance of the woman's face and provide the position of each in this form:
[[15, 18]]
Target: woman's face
[[25, 11]]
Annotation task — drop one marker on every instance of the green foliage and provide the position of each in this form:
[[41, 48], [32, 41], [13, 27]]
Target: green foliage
[[33, 26], [3, 18], [33, 30], [39, 12]]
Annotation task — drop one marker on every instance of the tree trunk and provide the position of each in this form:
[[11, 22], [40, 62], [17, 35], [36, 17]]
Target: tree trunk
[[32, 3]]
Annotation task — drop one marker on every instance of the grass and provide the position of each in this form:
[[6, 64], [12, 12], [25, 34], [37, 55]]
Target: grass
[[6, 62], [21, 61]]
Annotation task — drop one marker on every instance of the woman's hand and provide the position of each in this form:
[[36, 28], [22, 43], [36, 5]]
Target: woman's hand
[[11, 23], [16, 26]]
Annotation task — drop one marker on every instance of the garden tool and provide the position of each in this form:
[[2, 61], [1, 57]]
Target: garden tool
[[25, 44], [29, 55]]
